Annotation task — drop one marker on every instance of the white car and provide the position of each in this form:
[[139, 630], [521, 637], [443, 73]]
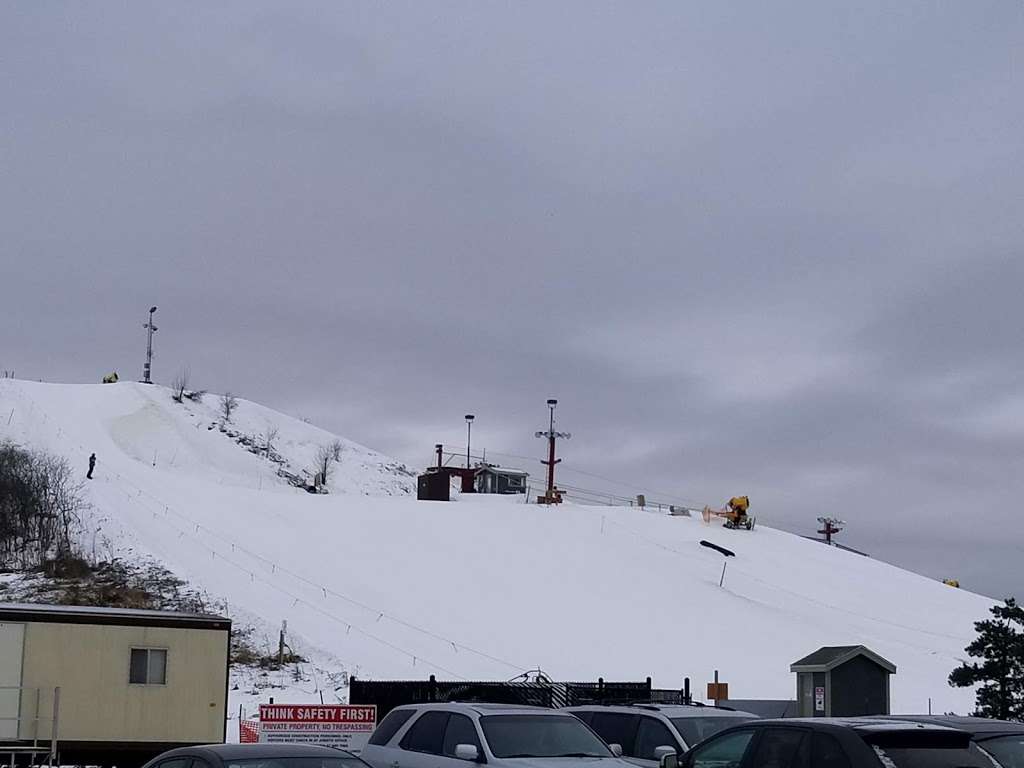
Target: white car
[[644, 733], [502, 735]]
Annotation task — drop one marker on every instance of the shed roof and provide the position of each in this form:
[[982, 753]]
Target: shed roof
[[828, 658], [503, 471], [91, 614]]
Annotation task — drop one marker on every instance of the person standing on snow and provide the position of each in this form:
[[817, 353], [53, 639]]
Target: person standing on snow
[[92, 465]]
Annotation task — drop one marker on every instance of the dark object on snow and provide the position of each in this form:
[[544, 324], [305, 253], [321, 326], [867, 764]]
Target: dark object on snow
[[92, 465], [723, 550], [433, 486]]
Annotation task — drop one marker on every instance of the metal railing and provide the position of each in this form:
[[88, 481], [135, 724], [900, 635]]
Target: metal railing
[[388, 694], [20, 742]]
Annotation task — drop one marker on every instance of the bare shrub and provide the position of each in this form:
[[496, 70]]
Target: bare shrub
[[180, 384], [323, 463], [228, 403], [40, 507], [269, 436]]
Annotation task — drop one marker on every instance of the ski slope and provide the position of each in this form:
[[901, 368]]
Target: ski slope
[[482, 587]]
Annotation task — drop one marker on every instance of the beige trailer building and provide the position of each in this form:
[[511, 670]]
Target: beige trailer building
[[109, 685]]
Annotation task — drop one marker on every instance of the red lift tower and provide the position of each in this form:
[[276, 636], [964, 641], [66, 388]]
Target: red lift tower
[[552, 495], [830, 526]]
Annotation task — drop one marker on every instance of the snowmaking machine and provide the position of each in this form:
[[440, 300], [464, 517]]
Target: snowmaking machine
[[735, 514]]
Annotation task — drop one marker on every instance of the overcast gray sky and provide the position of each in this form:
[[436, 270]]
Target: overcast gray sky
[[762, 248]]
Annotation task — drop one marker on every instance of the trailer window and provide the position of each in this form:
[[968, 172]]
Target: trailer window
[[148, 666]]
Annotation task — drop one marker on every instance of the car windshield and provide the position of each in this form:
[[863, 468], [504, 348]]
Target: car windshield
[[345, 760], [1008, 751], [694, 729], [540, 736]]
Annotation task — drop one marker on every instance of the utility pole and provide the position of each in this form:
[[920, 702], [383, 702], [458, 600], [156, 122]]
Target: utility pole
[[150, 330], [550, 496], [469, 434], [281, 643]]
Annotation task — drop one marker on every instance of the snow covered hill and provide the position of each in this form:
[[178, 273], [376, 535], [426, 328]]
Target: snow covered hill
[[381, 585]]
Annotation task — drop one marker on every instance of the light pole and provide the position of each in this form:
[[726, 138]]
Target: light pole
[[469, 434], [151, 329], [551, 435]]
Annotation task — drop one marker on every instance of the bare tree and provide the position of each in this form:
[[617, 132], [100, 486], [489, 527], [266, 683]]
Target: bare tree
[[40, 506], [228, 403], [335, 448], [323, 462], [269, 436], [180, 384]]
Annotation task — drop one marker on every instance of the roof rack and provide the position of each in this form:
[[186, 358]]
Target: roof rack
[[655, 705]]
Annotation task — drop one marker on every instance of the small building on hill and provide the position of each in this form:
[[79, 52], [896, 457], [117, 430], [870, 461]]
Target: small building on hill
[[842, 681], [491, 478], [102, 686]]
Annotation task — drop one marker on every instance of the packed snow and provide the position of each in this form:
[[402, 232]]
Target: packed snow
[[376, 584]]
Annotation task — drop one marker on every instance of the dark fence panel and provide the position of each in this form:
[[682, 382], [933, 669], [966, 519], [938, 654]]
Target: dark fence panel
[[388, 694]]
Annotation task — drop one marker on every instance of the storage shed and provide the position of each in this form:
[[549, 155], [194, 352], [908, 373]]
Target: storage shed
[[842, 681], [493, 479], [109, 685]]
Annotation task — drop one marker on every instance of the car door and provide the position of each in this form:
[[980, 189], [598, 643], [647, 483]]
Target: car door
[[781, 747], [651, 733], [460, 730], [726, 750], [617, 728], [421, 745], [380, 752], [179, 761]]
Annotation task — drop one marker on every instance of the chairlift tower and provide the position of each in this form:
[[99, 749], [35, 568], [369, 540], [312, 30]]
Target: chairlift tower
[[830, 526], [551, 496], [150, 330]]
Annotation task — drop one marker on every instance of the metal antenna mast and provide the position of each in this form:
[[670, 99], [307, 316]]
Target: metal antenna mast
[[551, 496], [151, 329], [469, 435]]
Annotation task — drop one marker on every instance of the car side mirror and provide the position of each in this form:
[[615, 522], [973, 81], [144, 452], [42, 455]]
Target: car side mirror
[[668, 760], [467, 752], [616, 749], [660, 752]]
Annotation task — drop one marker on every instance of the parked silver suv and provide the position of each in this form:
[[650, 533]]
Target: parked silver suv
[[450, 735], [647, 732]]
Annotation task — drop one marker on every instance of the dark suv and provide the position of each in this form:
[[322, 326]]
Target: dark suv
[[835, 743], [1002, 740]]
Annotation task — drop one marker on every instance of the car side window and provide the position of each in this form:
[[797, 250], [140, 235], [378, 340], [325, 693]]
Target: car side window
[[722, 752], [175, 762], [827, 752], [426, 734], [616, 728], [650, 735], [585, 716], [460, 730], [390, 725], [780, 748]]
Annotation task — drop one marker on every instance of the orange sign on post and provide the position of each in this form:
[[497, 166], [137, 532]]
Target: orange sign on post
[[718, 691]]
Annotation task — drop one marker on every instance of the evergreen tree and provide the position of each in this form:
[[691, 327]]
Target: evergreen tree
[[1000, 646]]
